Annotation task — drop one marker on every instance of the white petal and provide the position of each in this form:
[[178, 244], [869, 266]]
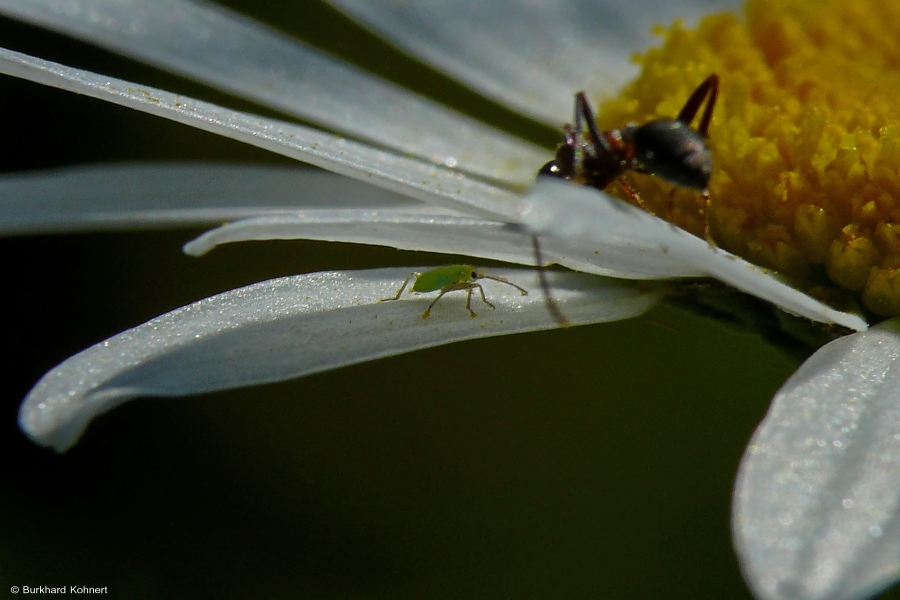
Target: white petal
[[397, 173], [294, 326], [532, 56], [817, 498], [236, 54], [412, 228], [152, 195], [405, 229], [635, 244]]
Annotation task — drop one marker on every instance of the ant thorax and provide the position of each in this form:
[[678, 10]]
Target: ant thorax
[[600, 161], [619, 144]]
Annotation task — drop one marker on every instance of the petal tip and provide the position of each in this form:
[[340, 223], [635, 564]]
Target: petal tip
[[47, 423]]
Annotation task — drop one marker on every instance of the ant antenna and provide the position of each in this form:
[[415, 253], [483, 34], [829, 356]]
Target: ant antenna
[[552, 306]]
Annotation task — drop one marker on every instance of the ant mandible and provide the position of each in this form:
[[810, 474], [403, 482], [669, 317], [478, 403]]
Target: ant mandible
[[666, 148]]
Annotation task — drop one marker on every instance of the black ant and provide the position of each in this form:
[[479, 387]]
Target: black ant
[[666, 148]]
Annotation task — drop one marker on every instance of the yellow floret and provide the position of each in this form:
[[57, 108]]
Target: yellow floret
[[805, 137]]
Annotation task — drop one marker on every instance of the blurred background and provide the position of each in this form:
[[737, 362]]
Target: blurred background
[[592, 462]]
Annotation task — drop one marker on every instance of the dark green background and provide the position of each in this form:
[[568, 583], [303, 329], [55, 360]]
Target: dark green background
[[590, 463]]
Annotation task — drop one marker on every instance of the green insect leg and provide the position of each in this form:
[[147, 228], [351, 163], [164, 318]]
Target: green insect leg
[[472, 313], [483, 298], [402, 287], [427, 312]]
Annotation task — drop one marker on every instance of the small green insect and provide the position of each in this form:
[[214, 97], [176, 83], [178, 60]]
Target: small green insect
[[451, 279]]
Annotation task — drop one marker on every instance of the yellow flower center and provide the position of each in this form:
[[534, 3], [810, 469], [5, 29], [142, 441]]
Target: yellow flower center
[[805, 137]]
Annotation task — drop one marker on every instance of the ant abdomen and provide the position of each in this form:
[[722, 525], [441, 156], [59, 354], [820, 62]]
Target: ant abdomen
[[671, 150]]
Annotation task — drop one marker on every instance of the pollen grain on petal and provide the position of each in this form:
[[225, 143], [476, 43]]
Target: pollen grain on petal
[[805, 138]]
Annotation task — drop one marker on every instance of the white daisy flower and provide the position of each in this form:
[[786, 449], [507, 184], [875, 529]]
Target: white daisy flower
[[814, 502]]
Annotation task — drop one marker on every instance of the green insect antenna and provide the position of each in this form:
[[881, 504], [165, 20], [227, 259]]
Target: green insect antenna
[[483, 275]]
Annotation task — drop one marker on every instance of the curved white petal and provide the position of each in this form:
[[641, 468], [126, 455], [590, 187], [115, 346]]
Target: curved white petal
[[403, 229], [294, 326], [817, 498], [404, 175], [242, 56], [152, 195], [415, 228], [627, 239], [532, 56]]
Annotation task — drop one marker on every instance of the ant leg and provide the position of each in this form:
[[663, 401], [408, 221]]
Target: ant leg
[[504, 280], [581, 107], [709, 88], [584, 115], [703, 128], [570, 136], [671, 202], [402, 287], [707, 235], [588, 139], [552, 307], [566, 154], [633, 193]]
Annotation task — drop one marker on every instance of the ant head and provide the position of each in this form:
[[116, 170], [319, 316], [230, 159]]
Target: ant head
[[670, 149], [553, 169], [563, 165]]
